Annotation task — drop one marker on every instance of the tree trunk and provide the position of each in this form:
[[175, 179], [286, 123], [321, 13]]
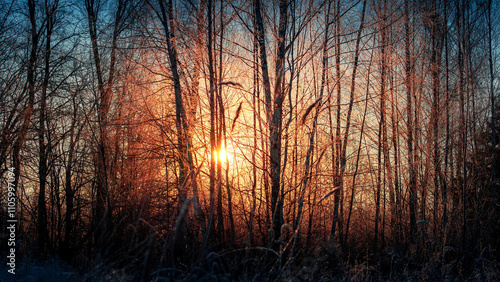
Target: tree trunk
[[435, 26], [213, 113], [103, 213], [343, 145], [462, 157], [43, 234], [492, 207], [274, 106], [409, 94], [183, 146], [275, 126], [356, 166]]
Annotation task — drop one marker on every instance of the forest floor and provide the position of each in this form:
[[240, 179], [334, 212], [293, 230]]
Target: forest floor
[[230, 268]]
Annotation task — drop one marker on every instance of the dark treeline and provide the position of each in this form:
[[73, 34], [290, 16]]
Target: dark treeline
[[253, 139]]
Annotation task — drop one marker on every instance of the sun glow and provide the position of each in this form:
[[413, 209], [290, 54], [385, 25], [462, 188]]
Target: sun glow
[[223, 156]]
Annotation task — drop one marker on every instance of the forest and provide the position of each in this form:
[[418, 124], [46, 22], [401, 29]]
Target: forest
[[249, 140]]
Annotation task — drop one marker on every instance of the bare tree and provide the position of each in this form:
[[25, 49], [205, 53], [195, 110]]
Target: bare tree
[[409, 100], [43, 234], [103, 210]]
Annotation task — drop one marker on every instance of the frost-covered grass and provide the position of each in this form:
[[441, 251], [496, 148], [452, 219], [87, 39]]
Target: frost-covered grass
[[56, 270], [51, 270], [256, 266]]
